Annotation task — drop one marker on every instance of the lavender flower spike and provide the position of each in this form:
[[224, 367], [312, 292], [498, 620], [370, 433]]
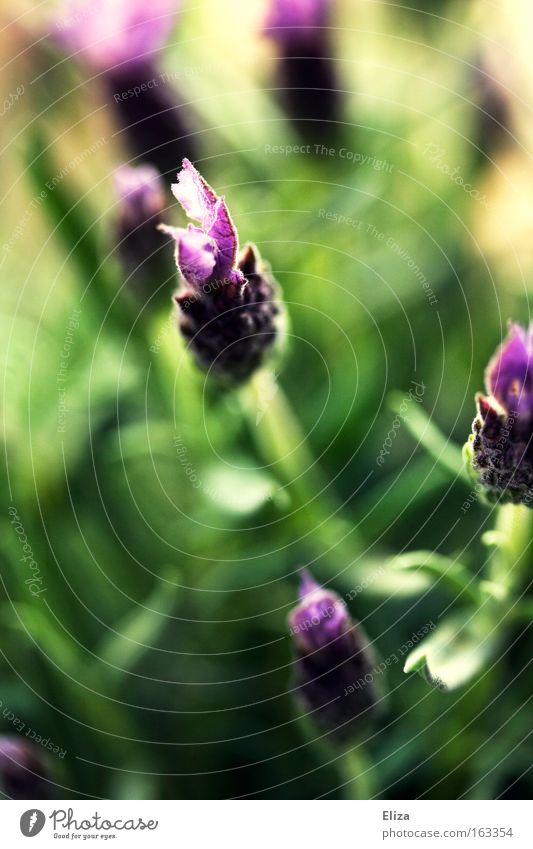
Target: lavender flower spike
[[22, 772], [120, 41], [227, 299], [500, 448], [140, 193], [141, 200], [306, 76], [111, 33], [333, 668]]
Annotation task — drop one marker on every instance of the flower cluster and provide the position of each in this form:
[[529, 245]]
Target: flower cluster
[[500, 448], [227, 302]]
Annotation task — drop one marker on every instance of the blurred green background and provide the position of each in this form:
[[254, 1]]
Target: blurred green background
[[159, 656]]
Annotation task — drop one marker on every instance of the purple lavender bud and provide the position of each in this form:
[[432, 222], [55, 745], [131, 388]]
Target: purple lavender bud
[[110, 33], [140, 195], [120, 40], [22, 771], [296, 19], [306, 77], [334, 665], [494, 125], [500, 448], [141, 200], [228, 300]]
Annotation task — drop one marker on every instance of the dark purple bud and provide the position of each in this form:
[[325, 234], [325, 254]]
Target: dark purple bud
[[141, 196], [22, 771], [155, 123], [289, 20], [227, 302], [306, 77], [141, 200], [334, 668], [493, 129], [120, 40], [501, 449], [109, 33]]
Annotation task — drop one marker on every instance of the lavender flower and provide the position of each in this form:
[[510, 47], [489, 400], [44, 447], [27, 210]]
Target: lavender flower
[[141, 200], [306, 74], [334, 663], [22, 772], [500, 448], [493, 128], [111, 33], [227, 300], [120, 41]]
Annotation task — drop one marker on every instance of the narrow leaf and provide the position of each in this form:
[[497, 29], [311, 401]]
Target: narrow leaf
[[451, 572], [454, 653], [448, 455]]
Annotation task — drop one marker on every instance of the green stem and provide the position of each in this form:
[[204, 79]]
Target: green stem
[[357, 773], [522, 611], [444, 452], [353, 766], [285, 447], [512, 537]]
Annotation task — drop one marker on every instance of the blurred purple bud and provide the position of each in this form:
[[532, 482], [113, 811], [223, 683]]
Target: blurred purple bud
[[141, 200], [306, 76], [333, 667], [227, 302], [289, 20], [121, 40], [22, 771], [140, 193], [493, 129], [110, 33]]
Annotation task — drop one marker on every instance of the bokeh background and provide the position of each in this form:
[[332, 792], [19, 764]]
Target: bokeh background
[[158, 656]]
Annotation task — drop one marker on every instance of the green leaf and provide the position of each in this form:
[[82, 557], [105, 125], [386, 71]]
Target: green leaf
[[451, 572], [448, 455], [381, 579], [138, 631], [76, 224], [73, 221], [40, 626], [241, 491], [455, 653]]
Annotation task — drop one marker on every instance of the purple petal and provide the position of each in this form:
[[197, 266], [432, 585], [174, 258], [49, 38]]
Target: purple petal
[[509, 375], [202, 204], [223, 231], [320, 617], [307, 584], [196, 256], [195, 195], [108, 33], [195, 253]]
